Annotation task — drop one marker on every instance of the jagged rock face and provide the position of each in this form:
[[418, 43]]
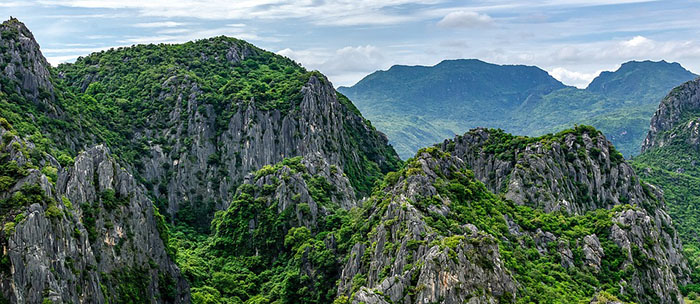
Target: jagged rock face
[[551, 173], [320, 128], [408, 261], [653, 245], [193, 152], [676, 108], [86, 235], [292, 188], [574, 172], [23, 62]]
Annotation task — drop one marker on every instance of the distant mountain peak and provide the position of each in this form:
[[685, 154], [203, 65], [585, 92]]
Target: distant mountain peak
[[634, 75]]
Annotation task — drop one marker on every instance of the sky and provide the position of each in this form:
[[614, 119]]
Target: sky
[[574, 40]]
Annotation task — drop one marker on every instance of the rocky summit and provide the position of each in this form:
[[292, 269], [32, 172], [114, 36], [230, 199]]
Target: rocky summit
[[216, 172]]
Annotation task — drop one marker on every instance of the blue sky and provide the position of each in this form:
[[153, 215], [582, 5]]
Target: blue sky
[[347, 39]]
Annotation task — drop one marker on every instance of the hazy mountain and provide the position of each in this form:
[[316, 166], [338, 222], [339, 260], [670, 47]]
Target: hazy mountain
[[416, 106]]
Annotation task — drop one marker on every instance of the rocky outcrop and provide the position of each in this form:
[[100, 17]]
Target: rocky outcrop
[[23, 63], [652, 245], [82, 234], [320, 128], [194, 152], [574, 171], [578, 172], [677, 108], [298, 182], [405, 260]]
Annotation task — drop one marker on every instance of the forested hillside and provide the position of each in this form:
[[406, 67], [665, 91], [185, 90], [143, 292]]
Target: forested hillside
[[216, 172], [417, 106]]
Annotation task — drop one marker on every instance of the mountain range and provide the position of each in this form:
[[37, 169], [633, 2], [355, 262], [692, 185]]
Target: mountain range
[[217, 172], [418, 106]]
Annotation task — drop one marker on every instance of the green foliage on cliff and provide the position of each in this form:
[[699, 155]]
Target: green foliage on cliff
[[673, 169], [123, 91], [258, 253], [542, 276]]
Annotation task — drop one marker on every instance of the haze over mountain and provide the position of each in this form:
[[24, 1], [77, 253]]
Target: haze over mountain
[[217, 172], [416, 105]]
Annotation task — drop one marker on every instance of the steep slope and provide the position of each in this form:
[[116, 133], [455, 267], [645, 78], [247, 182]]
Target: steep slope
[[80, 234], [29, 98], [186, 124], [452, 96], [193, 119], [405, 103], [669, 159], [435, 233], [74, 231], [432, 232]]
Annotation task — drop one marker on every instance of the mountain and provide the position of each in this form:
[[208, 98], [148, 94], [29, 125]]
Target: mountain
[[74, 230], [95, 151], [216, 172], [634, 81], [462, 236], [417, 105], [669, 159], [569, 211]]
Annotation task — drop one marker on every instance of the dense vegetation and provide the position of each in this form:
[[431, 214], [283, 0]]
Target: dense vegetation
[[131, 89], [273, 246], [465, 94], [673, 169], [281, 260], [278, 259]]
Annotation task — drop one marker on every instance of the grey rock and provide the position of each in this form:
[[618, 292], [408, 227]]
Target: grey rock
[[51, 254], [592, 252], [543, 174], [684, 98]]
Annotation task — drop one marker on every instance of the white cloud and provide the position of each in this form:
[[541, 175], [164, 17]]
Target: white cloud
[[56, 60], [637, 41], [465, 19], [343, 66], [328, 12], [159, 24], [577, 79], [180, 36]]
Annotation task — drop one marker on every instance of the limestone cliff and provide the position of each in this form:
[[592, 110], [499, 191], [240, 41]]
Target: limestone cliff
[[86, 233]]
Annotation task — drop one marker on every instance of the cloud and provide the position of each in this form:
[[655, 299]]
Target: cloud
[[328, 12], [637, 41], [184, 35], [13, 4], [159, 24], [465, 19], [343, 66], [56, 60], [578, 79]]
